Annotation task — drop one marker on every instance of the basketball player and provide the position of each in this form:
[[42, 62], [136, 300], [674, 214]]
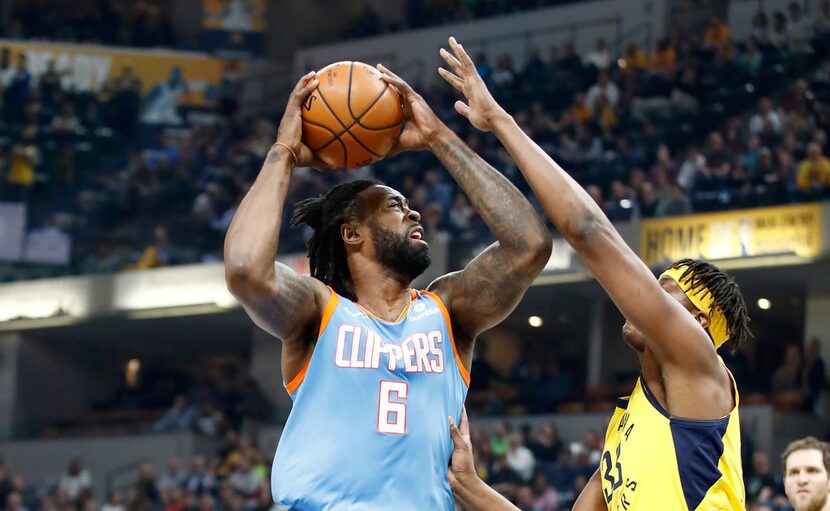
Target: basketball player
[[806, 465], [674, 443], [375, 367]]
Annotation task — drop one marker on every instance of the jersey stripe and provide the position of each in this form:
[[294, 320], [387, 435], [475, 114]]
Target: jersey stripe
[[464, 374], [294, 384]]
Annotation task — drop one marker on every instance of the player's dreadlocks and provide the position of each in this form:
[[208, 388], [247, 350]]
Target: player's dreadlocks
[[325, 214], [726, 294]]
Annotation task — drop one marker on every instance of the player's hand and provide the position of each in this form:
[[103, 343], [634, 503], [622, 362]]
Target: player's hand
[[423, 127], [290, 131], [462, 467], [480, 109]]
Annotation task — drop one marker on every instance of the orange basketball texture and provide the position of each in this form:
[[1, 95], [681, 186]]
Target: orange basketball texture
[[353, 117]]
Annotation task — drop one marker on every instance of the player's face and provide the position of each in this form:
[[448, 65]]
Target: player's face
[[806, 481], [397, 235], [634, 337]]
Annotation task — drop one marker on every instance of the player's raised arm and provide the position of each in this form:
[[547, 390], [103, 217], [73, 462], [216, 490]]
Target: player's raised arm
[[679, 343], [489, 288], [277, 299]]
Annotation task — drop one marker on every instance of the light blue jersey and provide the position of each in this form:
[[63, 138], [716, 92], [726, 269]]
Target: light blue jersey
[[368, 430]]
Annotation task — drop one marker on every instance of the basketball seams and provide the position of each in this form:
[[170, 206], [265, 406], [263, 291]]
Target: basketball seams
[[355, 120], [345, 128], [335, 136]]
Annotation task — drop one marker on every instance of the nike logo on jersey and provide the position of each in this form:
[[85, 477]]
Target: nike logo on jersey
[[353, 314], [362, 348]]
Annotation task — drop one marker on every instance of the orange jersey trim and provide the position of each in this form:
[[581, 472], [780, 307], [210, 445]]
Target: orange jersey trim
[[334, 299], [464, 374], [294, 384]]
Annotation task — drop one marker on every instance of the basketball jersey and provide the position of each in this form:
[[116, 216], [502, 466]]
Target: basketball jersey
[[368, 429], [653, 461]]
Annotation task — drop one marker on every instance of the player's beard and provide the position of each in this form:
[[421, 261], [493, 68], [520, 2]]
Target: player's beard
[[816, 503], [399, 254]]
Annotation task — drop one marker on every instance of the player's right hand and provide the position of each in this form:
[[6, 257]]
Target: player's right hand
[[462, 467], [290, 131], [480, 109]]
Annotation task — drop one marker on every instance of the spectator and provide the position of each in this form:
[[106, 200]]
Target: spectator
[[25, 159], [767, 122], [76, 482], [758, 34], [806, 464], [603, 88], [814, 378], [520, 459], [174, 477], [821, 24], [14, 502], [600, 57], [716, 34], [814, 171], [761, 476], [244, 480], [799, 29], [786, 380], [778, 36], [178, 418], [500, 441], [17, 92], [675, 204], [115, 502]]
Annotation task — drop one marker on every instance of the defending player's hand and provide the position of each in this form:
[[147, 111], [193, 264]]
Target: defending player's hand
[[422, 127], [462, 466], [290, 131], [480, 109]]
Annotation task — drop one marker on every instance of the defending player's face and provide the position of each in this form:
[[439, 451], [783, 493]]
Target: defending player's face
[[806, 480], [397, 235], [634, 337]]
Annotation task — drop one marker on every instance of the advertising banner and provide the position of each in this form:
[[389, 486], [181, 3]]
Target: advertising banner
[[776, 231]]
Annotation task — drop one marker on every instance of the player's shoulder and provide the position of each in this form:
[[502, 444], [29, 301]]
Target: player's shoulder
[[443, 287]]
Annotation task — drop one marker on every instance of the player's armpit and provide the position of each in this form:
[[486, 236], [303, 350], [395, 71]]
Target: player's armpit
[[591, 498], [286, 305]]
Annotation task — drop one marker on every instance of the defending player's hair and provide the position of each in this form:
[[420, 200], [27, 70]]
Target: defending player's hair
[[803, 444], [726, 294], [325, 214]]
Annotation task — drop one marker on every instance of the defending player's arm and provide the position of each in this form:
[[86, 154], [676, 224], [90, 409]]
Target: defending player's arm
[[676, 339], [591, 497], [467, 488], [488, 289], [278, 299]]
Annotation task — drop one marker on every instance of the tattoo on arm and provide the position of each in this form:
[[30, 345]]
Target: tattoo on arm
[[502, 207], [489, 288]]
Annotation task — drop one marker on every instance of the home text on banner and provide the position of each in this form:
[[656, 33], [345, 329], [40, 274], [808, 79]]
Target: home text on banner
[[776, 231]]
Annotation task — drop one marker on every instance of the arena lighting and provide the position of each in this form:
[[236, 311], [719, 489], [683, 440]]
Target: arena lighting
[[535, 321], [764, 304]]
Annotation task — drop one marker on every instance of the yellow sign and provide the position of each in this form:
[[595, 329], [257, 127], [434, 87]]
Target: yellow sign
[[776, 231], [179, 78], [234, 15]]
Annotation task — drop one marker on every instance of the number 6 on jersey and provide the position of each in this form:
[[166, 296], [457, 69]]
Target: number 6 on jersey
[[392, 414]]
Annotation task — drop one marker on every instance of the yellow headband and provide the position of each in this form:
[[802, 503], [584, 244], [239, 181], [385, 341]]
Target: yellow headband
[[702, 298]]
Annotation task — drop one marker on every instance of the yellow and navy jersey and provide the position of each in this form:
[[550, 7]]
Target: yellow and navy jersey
[[653, 461]]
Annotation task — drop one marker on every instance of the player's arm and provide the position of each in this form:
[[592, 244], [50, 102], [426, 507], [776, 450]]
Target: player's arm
[[489, 288], [279, 300], [467, 488], [675, 338], [591, 498]]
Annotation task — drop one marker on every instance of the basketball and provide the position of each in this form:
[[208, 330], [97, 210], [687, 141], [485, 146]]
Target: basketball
[[353, 117]]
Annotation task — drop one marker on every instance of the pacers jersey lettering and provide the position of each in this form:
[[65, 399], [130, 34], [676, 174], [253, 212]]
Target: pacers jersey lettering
[[655, 461], [368, 429]]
